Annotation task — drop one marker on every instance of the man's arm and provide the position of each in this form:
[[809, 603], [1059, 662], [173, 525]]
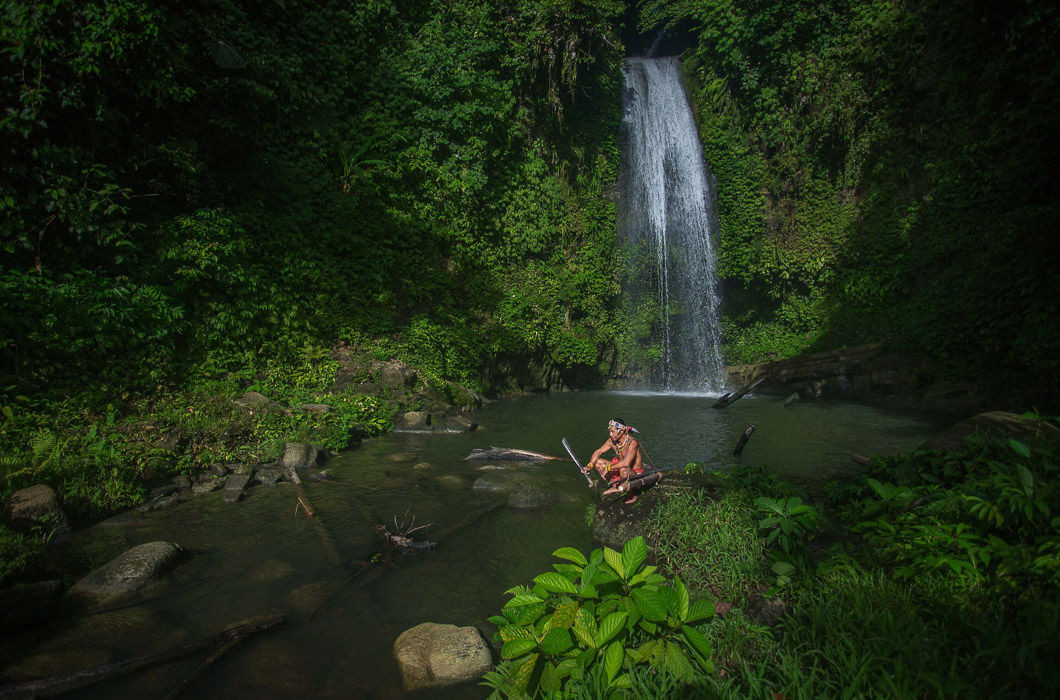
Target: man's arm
[[599, 451]]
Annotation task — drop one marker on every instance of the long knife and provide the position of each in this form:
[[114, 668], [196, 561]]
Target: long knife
[[566, 446]]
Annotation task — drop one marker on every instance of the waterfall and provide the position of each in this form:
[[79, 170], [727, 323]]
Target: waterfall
[[666, 215]]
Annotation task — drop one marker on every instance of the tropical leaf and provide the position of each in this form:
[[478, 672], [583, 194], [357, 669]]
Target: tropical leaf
[[512, 632], [571, 554], [555, 583], [614, 560], [698, 642], [517, 647], [564, 616], [700, 610], [633, 555], [613, 660], [609, 626], [652, 605], [556, 641]]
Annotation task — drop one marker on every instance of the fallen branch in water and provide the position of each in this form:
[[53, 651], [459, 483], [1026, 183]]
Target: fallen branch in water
[[735, 396], [223, 640]]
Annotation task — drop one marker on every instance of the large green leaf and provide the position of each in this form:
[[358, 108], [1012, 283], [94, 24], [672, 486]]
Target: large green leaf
[[651, 605], [565, 615], [555, 583], [510, 632], [571, 554], [614, 560], [517, 647], [633, 555], [556, 641], [700, 610], [525, 671], [683, 598], [609, 627], [613, 659], [677, 663], [698, 642]]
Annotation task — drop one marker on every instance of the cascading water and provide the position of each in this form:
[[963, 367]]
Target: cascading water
[[666, 213]]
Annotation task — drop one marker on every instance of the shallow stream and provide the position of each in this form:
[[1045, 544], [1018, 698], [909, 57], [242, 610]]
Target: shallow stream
[[259, 555]]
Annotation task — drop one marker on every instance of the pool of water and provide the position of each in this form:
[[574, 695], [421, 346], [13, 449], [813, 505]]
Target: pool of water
[[343, 614]]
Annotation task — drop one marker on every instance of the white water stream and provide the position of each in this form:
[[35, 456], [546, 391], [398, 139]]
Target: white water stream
[[666, 211]]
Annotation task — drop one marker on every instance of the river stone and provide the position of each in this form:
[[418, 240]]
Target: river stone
[[237, 482], [301, 455], [397, 375], [267, 477], [459, 424], [159, 503], [433, 655], [218, 469], [999, 423], [129, 572], [493, 483], [254, 403], [422, 465], [182, 481], [211, 484], [241, 469], [229, 496], [528, 496], [413, 422], [35, 506]]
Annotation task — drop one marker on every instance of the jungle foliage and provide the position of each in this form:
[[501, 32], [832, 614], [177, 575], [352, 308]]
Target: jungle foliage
[[946, 561], [196, 188], [886, 171]]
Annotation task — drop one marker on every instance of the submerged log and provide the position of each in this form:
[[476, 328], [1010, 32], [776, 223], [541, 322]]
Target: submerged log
[[743, 440], [736, 396], [57, 685], [509, 454], [791, 399]]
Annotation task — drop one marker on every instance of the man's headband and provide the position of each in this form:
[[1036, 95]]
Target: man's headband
[[619, 426]]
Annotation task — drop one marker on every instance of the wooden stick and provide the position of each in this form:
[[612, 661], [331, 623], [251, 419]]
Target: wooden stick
[[743, 440], [57, 685], [732, 397], [791, 399]]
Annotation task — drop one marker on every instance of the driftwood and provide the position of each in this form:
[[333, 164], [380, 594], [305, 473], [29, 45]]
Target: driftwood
[[791, 399], [743, 440], [638, 483], [860, 459], [732, 397], [396, 540], [509, 454], [223, 641]]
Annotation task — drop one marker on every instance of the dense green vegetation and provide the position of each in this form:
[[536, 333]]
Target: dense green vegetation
[[930, 575], [886, 171], [200, 199]]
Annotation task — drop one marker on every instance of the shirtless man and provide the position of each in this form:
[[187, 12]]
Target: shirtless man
[[627, 460]]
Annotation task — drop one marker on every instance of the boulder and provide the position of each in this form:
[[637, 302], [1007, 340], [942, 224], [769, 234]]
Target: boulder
[[301, 455], [267, 477], [527, 496], [182, 481], [413, 422], [616, 522], [35, 506], [128, 572], [255, 404], [433, 655], [397, 375], [208, 485], [237, 482], [999, 423], [459, 424]]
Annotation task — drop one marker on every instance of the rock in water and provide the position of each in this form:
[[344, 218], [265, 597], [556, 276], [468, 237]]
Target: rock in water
[[128, 572], [432, 655], [512, 455]]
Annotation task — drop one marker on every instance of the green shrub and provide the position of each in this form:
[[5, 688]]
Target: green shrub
[[593, 623]]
